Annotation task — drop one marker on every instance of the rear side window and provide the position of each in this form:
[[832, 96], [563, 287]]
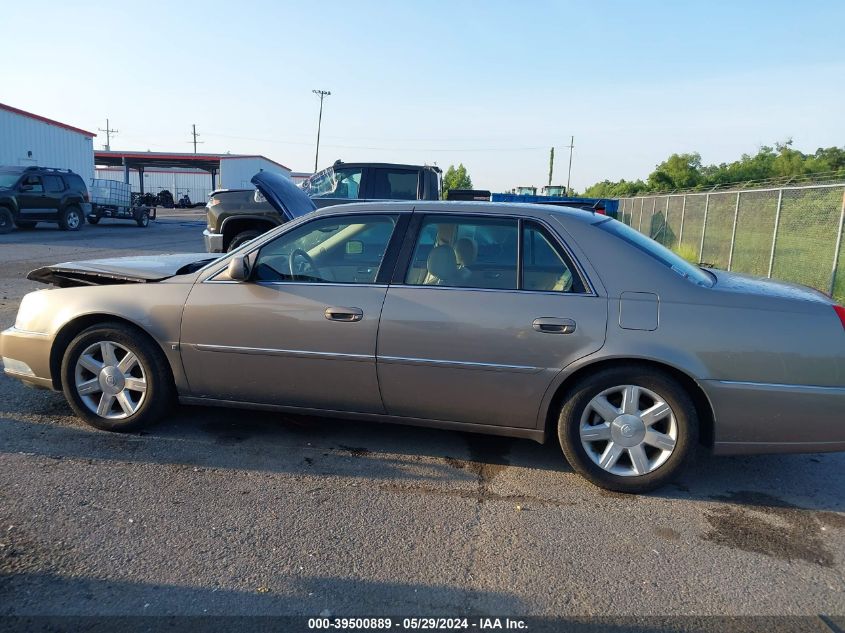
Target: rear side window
[[466, 252], [545, 266], [53, 184], [74, 182], [395, 184], [657, 251]]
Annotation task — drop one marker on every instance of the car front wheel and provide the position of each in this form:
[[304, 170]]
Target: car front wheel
[[628, 430], [116, 378]]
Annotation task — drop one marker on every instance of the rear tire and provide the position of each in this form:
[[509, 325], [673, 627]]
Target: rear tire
[[7, 223], [143, 220], [240, 238], [116, 378], [628, 429], [71, 219]]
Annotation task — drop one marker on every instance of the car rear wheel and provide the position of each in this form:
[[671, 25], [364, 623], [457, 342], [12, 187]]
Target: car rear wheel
[[116, 378], [240, 238], [143, 220], [6, 221], [628, 429], [71, 219]]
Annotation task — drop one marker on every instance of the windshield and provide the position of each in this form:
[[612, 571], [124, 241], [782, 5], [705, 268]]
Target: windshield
[[658, 252], [343, 182], [8, 178]]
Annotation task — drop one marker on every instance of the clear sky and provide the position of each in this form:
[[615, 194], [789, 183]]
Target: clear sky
[[490, 84]]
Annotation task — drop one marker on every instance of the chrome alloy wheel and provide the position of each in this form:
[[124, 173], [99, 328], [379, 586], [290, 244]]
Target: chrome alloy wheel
[[110, 380], [628, 430]]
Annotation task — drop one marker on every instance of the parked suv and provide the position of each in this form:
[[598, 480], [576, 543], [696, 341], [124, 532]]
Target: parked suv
[[29, 195]]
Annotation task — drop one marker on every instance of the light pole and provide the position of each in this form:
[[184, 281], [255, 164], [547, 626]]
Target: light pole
[[321, 94]]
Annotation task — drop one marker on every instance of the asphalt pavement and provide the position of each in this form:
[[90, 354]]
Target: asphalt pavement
[[227, 512]]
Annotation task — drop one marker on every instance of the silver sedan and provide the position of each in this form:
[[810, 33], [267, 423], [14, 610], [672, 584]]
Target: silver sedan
[[518, 320]]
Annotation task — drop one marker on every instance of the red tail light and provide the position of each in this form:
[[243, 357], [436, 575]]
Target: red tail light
[[840, 312]]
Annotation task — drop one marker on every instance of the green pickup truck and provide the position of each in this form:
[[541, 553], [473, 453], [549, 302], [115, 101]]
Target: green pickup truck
[[237, 216]]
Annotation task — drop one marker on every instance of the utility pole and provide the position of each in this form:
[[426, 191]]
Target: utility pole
[[195, 135], [321, 94], [551, 165], [569, 175], [108, 132]]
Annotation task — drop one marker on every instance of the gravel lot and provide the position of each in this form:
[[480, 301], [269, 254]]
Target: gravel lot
[[232, 512]]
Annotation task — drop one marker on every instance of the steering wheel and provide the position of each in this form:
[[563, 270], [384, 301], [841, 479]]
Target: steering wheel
[[296, 270]]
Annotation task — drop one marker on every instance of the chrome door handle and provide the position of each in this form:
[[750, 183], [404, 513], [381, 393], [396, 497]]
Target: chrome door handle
[[344, 314], [552, 325]]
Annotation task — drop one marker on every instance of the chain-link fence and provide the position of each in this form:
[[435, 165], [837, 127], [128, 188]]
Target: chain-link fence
[[789, 233]]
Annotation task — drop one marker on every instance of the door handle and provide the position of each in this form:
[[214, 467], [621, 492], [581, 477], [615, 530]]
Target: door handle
[[552, 325], [344, 314]]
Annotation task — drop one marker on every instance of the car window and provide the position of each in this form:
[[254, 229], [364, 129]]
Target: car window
[[465, 252], [35, 184], [336, 183], [659, 252], [8, 179], [53, 184], [544, 265], [395, 184], [74, 182], [347, 249]]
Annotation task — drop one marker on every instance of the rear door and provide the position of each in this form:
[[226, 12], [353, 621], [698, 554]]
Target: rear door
[[483, 316], [54, 188]]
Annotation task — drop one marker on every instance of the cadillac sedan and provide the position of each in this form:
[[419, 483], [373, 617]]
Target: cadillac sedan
[[518, 320]]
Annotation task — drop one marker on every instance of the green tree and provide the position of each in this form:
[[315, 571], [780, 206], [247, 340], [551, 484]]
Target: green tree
[[456, 178]]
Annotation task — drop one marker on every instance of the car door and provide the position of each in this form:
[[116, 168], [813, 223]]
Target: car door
[[486, 312], [32, 200], [54, 188], [301, 332]]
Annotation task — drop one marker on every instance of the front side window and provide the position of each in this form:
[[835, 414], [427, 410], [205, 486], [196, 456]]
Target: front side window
[[395, 184], [34, 184], [466, 252], [347, 249], [341, 182]]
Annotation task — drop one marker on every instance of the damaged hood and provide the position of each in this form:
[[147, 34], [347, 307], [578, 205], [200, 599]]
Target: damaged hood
[[120, 270]]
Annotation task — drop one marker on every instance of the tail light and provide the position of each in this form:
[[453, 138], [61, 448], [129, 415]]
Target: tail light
[[85, 196], [840, 312]]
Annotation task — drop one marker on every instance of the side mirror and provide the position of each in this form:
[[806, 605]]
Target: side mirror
[[239, 268]]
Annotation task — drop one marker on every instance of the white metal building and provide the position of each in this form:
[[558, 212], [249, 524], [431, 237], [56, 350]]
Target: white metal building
[[30, 139], [194, 174]]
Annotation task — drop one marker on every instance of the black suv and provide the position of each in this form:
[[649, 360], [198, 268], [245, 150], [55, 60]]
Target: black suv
[[29, 195]]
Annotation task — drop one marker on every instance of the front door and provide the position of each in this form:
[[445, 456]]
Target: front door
[[473, 337], [32, 199], [302, 331]]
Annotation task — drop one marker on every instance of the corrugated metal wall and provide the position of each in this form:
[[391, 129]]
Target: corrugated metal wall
[[236, 173], [50, 145], [197, 184]]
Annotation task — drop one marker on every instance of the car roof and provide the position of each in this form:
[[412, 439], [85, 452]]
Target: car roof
[[465, 207]]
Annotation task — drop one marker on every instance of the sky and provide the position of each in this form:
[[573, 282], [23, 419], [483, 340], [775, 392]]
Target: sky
[[492, 85]]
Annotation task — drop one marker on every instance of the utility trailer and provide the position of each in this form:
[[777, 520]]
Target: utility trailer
[[113, 199]]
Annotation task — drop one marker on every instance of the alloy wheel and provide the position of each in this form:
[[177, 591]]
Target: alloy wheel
[[628, 430], [110, 380]]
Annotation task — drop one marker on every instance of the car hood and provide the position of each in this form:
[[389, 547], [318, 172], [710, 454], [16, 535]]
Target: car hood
[[288, 199], [120, 270], [751, 285]]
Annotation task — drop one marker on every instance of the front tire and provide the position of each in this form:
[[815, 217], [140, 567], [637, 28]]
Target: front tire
[[628, 429], [71, 219], [241, 238], [115, 378]]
